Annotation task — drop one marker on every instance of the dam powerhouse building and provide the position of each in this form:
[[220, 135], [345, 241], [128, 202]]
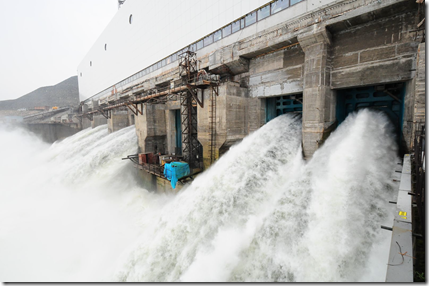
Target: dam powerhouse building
[[195, 76]]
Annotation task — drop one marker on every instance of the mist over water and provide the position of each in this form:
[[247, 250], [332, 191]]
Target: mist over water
[[69, 210], [74, 211]]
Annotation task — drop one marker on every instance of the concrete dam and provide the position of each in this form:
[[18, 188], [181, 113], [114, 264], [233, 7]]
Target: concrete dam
[[260, 213], [293, 117], [322, 61]]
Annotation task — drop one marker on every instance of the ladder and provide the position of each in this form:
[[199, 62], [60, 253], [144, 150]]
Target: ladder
[[212, 123]]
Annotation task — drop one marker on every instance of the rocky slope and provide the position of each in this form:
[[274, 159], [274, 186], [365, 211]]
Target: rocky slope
[[65, 93]]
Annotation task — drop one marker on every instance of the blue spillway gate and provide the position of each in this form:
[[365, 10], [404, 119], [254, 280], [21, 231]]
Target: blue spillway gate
[[276, 106], [388, 99]]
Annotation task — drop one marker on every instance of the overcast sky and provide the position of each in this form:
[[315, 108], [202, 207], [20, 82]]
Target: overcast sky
[[43, 41]]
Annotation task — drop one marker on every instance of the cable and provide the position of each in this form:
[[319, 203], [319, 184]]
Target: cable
[[402, 255]]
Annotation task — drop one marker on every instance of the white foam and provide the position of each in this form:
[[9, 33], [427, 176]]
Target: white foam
[[260, 213]]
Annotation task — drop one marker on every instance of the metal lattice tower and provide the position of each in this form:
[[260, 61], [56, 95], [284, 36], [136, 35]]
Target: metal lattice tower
[[188, 71], [189, 128], [188, 66]]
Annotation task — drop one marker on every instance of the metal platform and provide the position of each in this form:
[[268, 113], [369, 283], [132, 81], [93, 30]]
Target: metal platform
[[158, 169]]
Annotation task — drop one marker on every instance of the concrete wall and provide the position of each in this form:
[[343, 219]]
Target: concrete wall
[[98, 120], [319, 101], [415, 104], [151, 129], [156, 184], [234, 119], [345, 44], [408, 125], [170, 125], [51, 132], [86, 123], [278, 73], [380, 51], [119, 119], [342, 45], [370, 45], [420, 87]]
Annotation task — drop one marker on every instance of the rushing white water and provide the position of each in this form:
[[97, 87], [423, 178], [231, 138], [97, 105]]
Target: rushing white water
[[74, 211]]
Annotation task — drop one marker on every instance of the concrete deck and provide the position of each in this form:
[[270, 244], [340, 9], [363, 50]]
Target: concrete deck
[[400, 264]]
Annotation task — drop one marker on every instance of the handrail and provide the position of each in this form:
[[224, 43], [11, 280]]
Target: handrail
[[420, 172]]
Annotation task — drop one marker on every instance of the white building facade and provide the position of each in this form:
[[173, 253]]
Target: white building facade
[[146, 37]]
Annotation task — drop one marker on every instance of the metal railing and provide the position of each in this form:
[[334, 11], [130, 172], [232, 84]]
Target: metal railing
[[419, 160], [155, 169]]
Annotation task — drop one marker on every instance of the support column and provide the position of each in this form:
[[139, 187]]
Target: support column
[[219, 124], [118, 120], [98, 120], [231, 122], [151, 129], [318, 102], [415, 100], [85, 123]]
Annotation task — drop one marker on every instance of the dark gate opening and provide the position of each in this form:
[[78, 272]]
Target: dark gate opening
[[387, 98], [178, 125], [276, 106]]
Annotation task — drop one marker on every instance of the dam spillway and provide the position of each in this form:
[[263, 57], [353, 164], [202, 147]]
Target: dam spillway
[[260, 213], [325, 59]]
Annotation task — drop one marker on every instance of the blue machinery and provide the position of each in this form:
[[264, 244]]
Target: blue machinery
[[176, 170]]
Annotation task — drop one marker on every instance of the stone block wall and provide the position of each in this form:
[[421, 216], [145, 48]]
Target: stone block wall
[[376, 52], [277, 73], [234, 119], [420, 87], [415, 104], [319, 101], [220, 123]]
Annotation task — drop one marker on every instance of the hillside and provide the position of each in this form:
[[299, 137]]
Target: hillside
[[65, 93]]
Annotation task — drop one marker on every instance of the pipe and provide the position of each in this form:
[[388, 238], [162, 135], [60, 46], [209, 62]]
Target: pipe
[[174, 90]]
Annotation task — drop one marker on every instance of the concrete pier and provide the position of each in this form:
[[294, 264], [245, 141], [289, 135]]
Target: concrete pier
[[51, 132], [118, 119], [319, 102], [233, 119], [151, 129], [98, 120]]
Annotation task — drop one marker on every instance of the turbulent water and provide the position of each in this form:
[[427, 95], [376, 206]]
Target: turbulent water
[[74, 211]]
